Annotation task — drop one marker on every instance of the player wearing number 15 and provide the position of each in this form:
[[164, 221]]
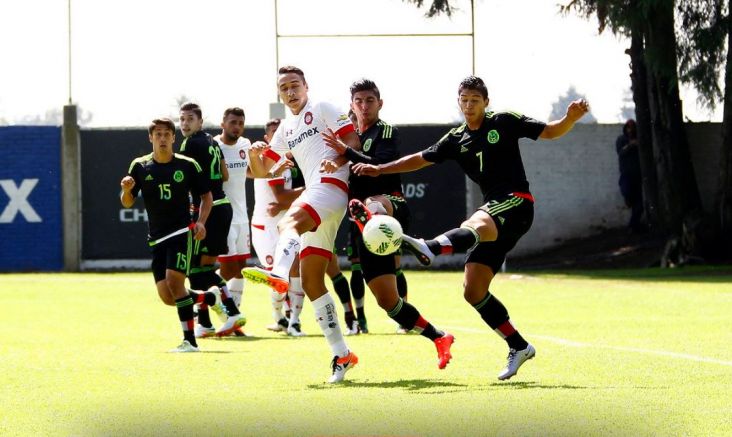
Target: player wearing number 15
[[165, 180], [486, 148]]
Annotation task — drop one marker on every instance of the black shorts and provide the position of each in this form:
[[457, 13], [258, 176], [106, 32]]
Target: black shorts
[[513, 216], [217, 231], [173, 253], [401, 210], [372, 265], [353, 236]]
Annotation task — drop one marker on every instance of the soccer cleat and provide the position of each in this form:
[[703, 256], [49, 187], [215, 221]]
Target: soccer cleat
[[294, 330], [342, 365], [220, 311], [515, 360], [240, 333], [201, 331], [362, 325], [359, 213], [280, 326], [262, 276], [354, 329], [418, 248], [443, 350], [232, 324], [185, 347], [401, 330]]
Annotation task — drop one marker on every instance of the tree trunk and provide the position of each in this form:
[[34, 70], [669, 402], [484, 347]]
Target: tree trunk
[[643, 121], [679, 200], [724, 189]]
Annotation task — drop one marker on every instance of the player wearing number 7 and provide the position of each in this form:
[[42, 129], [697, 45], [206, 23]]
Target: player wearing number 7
[[486, 148]]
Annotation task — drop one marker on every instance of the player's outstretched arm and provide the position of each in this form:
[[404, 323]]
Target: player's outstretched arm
[[557, 128], [404, 164], [126, 197]]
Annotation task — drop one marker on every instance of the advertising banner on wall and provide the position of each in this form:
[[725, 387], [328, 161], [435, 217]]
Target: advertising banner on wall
[[30, 198], [436, 195]]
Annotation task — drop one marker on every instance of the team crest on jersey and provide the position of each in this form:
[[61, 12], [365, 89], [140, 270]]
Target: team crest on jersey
[[242, 154], [308, 117], [367, 145], [178, 176], [493, 136], [269, 260]]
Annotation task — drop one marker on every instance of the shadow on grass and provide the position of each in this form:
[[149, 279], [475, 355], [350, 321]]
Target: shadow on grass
[[523, 385], [696, 274], [405, 384]]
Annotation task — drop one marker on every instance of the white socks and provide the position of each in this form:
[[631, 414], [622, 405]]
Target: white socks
[[325, 314], [236, 288], [288, 246], [277, 300], [297, 298]]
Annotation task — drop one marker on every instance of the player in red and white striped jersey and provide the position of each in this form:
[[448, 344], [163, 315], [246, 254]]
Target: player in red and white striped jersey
[[318, 211]]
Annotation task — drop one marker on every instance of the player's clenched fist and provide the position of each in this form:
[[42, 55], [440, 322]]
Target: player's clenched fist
[[127, 184], [199, 231]]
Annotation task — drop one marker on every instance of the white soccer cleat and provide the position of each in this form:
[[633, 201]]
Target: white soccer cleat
[[295, 331], [232, 324], [419, 249], [402, 330], [185, 347], [515, 360], [201, 331], [280, 325], [220, 311], [354, 329], [342, 365]]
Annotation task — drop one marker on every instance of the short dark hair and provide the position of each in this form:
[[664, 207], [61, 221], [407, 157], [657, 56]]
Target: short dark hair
[[292, 69], [237, 111], [166, 122], [273, 122], [190, 106], [365, 85], [474, 83]]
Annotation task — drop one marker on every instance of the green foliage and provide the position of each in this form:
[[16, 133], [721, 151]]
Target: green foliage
[[437, 7], [702, 33], [638, 352]]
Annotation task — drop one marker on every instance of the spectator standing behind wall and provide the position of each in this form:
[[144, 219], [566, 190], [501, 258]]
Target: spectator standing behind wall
[[630, 174]]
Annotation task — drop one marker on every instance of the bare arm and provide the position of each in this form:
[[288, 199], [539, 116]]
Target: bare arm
[[258, 163], [224, 170], [203, 212], [286, 197], [557, 128], [404, 164], [126, 196]]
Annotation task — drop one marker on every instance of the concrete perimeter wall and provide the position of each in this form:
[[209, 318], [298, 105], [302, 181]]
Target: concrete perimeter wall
[[575, 181]]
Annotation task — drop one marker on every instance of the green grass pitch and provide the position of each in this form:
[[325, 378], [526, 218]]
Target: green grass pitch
[[618, 353]]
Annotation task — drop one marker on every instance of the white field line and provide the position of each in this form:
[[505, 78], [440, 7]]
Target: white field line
[[572, 343]]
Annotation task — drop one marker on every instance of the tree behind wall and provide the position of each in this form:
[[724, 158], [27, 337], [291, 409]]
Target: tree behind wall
[[559, 108]]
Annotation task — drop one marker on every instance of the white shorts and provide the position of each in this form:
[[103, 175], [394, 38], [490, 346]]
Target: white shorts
[[264, 238], [326, 203], [239, 242]]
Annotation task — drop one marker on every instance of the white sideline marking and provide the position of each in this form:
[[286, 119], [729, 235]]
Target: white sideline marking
[[572, 343]]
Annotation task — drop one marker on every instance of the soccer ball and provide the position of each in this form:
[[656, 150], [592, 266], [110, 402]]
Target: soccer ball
[[382, 235]]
